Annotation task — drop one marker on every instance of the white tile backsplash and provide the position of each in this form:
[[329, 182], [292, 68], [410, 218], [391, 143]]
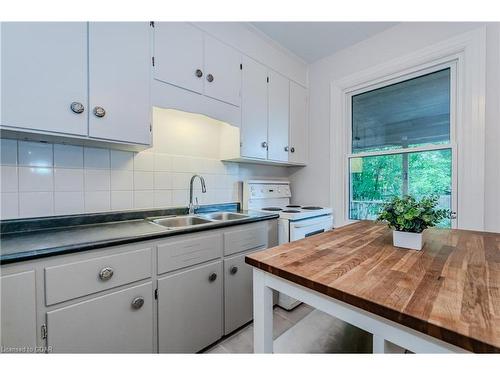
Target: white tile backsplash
[[96, 158], [97, 179], [143, 199], [66, 156], [122, 160], [8, 148], [56, 179], [66, 179], [36, 179], [35, 204], [97, 201], [68, 202], [9, 205], [122, 180], [8, 179], [122, 200], [143, 180], [144, 161], [35, 154]]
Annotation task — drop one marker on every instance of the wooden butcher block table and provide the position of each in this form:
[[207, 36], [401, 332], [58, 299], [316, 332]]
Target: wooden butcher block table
[[445, 298]]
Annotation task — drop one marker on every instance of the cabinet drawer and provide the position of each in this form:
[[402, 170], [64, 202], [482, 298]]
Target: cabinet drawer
[[246, 238], [78, 279], [187, 252], [119, 322]]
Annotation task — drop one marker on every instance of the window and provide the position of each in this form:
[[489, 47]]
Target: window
[[401, 142]]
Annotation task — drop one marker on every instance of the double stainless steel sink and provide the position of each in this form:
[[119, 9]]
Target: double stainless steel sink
[[186, 221]]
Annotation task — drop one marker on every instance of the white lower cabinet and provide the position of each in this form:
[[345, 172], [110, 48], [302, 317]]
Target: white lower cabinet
[[119, 322], [238, 293], [190, 309], [18, 312]]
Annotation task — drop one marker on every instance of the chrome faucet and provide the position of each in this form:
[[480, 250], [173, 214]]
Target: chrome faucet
[[192, 207]]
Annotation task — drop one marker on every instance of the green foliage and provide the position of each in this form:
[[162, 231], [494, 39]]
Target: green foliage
[[381, 178], [409, 215]]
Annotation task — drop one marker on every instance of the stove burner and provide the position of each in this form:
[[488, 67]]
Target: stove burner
[[291, 211], [312, 208], [271, 209], [293, 206]]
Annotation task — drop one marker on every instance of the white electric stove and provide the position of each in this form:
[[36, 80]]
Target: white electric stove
[[295, 221]]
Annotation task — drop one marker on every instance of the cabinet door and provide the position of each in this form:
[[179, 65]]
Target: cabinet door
[[113, 323], [44, 70], [190, 309], [18, 319], [238, 293], [298, 124], [254, 110], [119, 79], [222, 72], [279, 108], [178, 51]]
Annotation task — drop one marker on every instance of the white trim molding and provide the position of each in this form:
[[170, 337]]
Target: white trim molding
[[468, 50]]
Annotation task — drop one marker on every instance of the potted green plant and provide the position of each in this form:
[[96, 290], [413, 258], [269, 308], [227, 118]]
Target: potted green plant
[[409, 218]]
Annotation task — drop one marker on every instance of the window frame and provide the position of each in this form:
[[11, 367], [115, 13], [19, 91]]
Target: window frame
[[387, 81]]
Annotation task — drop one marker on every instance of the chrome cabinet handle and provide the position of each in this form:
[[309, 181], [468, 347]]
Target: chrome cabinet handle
[[106, 273], [292, 149], [212, 277], [233, 270], [99, 111], [77, 107], [210, 78], [286, 148], [198, 73], [137, 303], [264, 144]]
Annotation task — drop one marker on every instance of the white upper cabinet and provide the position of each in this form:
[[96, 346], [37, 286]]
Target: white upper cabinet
[[188, 58], [222, 72], [298, 148], [254, 110], [279, 108], [178, 52], [44, 70], [119, 81]]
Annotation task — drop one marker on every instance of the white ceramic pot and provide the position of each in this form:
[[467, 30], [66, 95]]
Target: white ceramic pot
[[407, 240]]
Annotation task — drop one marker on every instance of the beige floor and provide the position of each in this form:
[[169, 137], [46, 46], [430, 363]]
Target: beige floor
[[302, 330]]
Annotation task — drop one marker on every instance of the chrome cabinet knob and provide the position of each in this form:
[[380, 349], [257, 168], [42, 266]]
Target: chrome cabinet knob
[[212, 277], [99, 111], [198, 73], [233, 270], [77, 107], [292, 149], [210, 78], [106, 273], [137, 303], [286, 148], [264, 144]]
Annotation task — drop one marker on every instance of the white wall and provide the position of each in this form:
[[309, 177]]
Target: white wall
[[405, 38]]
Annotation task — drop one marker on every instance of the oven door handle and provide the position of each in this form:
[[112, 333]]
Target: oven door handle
[[314, 232]]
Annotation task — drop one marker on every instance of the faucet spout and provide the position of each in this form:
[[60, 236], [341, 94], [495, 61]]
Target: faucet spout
[[203, 190]]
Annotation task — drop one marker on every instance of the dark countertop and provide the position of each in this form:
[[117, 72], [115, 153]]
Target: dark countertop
[[27, 239]]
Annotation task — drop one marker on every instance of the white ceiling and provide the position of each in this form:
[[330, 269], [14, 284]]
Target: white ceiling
[[312, 41]]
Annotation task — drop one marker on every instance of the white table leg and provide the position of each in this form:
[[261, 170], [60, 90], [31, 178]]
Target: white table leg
[[262, 314], [379, 345]]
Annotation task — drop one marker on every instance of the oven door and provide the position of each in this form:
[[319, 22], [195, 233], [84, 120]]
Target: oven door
[[309, 227]]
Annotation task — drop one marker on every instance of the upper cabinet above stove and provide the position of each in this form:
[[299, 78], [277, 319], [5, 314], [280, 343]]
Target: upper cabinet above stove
[[87, 82]]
